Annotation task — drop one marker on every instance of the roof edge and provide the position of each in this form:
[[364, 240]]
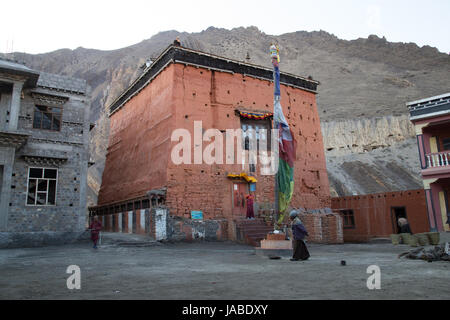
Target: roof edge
[[445, 95], [177, 54]]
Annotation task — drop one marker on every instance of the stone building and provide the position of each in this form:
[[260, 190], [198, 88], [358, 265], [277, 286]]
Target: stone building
[[44, 129], [196, 91], [431, 119]]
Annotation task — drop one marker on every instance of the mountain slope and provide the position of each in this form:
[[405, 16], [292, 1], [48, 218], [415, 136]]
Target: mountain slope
[[360, 79]]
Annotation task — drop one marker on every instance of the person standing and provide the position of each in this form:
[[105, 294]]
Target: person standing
[[95, 227], [404, 226], [300, 252], [250, 212]]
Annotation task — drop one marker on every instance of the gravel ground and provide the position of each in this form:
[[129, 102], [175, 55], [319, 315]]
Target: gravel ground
[[213, 270]]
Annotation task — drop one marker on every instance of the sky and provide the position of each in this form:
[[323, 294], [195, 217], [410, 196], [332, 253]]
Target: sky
[[39, 26]]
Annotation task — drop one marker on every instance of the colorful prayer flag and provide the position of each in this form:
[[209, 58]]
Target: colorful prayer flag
[[287, 148]]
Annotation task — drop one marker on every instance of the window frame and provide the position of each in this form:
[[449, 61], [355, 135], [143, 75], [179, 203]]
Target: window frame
[[252, 123], [47, 106], [345, 213], [36, 189], [444, 143]]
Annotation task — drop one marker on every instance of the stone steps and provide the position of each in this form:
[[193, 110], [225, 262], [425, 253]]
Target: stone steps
[[253, 231]]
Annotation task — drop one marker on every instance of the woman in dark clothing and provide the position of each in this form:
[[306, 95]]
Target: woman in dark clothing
[[300, 252]]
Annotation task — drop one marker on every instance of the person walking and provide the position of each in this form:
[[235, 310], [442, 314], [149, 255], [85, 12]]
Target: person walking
[[300, 251], [95, 227]]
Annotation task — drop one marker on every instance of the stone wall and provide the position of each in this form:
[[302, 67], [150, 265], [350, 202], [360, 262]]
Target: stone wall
[[41, 238], [26, 225], [71, 143]]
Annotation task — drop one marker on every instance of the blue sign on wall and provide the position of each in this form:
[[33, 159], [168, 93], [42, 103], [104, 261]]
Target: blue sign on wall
[[252, 186], [197, 215]]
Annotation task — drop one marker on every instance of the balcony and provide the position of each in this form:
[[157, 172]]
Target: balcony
[[438, 165], [440, 159]]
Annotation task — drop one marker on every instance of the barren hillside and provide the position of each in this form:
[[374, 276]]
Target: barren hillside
[[364, 84]]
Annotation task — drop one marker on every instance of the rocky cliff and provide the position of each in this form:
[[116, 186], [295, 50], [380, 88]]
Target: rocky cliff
[[371, 155], [364, 86]]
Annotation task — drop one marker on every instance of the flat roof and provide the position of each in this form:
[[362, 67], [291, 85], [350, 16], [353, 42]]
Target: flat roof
[[43, 79], [12, 67], [441, 96], [178, 54], [62, 83], [429, 107]]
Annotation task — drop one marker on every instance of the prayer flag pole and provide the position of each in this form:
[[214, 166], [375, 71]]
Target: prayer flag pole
[[274, 53], [284, 179]]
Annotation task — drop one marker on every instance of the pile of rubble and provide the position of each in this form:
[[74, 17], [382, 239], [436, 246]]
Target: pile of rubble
[[438, 253]]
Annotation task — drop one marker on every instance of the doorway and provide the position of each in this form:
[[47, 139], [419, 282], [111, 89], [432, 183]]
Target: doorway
[[397, 213], [240, 190]]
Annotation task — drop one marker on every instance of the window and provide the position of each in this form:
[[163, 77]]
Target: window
[[42, 186], [446, 143], [48, 118], [262, 137], [349, 219]]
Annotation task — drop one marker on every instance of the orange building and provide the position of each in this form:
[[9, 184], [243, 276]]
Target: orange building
[[366, 217], [178, 90]]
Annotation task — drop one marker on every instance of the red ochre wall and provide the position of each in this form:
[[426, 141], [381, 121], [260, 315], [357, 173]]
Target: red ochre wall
[[372, 213], [139, 143], [139, 152], [212, 97]]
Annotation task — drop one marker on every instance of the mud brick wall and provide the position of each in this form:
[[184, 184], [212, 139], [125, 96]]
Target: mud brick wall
[[172, 228], [373, 213], [183, 229], [323, 227], [212, 97], [139, 151]]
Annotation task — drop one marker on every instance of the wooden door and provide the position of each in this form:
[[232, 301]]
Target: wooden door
[[239, 202]]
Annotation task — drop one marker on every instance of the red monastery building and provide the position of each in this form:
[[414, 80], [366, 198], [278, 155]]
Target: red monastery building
[[178, 90]]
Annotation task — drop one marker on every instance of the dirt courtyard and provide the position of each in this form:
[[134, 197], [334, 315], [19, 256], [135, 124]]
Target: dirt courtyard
[[213, 270]]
